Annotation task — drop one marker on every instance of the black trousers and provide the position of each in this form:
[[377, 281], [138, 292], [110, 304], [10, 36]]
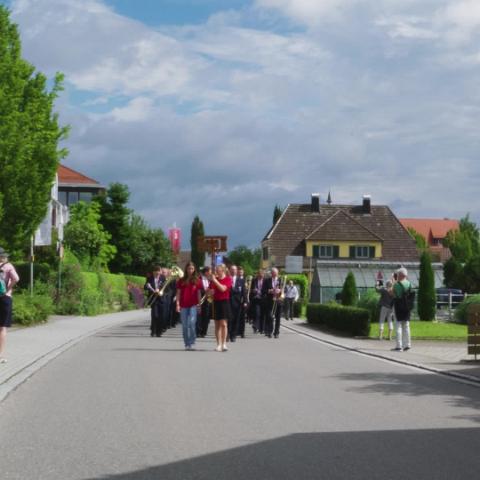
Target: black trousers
[[241, 321], [235, 309], [272, 324], [204, 320], [258, 308], [158, 322]]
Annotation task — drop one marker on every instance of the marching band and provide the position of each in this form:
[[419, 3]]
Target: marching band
[[225, 296]]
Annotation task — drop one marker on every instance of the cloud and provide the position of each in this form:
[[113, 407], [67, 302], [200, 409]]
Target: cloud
[[227, 118]]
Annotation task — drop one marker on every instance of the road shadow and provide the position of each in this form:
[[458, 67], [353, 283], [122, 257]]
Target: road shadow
[[444, 454], [415, 385]]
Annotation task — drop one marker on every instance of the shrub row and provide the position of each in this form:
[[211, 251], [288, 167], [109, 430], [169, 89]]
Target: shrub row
[[352, 320], [461, 310], [28, 310]]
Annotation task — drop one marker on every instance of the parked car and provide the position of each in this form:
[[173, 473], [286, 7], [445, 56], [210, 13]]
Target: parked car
[[443, 297]]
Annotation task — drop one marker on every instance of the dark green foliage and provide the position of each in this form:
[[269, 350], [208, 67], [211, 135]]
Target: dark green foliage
[[349, 291], [247, 258], [420, 240], [301, 281], [461, 310], [41, 272], [197, 230], [29, 310], [352, 320], [369, 301], [277, 213], [453, 274], [300, 308], [29, 137], [464, 242], [87, 238], [426, 289], [114, 217]]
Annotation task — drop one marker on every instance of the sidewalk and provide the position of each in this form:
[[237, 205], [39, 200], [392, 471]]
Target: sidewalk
[[29, 349], [446, 358]]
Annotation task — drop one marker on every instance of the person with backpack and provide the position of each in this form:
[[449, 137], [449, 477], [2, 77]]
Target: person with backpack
[[403, 305], [8, 279]]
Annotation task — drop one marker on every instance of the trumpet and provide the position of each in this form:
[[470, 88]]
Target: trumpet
[[175, 273], [280, 297]]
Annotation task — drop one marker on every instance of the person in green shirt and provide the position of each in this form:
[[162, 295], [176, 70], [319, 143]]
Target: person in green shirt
[[402, 314]]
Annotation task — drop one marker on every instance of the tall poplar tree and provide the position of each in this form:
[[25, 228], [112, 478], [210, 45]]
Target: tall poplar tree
[[29, 137], [277, 213], [426, 289], [198, 257]]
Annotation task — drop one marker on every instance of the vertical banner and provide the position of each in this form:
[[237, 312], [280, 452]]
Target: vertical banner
[[175, 236]]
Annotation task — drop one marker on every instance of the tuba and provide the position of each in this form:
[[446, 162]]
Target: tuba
[[175, 273]]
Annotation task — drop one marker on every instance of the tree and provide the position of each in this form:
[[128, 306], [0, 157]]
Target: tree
[[247, 258], [277, 213], [29, 137], [198, 257], [453, 274], [114, 216], [464, 242], [420, 240], [426, 289], [472, 275], [86, 237], [349, 291]]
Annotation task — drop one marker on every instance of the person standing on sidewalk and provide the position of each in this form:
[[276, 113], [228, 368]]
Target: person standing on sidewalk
[[402, 290], [291, 296], [8, 278], [386, 308], [188, 296]]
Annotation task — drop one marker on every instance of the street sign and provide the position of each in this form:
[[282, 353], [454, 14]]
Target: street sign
[[293, 264]]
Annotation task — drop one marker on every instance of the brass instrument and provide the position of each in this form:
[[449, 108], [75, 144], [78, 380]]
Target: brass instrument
[[280, 297], [249, 280], [175, 273]]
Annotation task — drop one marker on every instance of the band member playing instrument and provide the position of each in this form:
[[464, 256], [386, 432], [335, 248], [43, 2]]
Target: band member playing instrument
[[220, 286], [206, 309], [188, 302], [236, 302], [271, 290], [257, 301], [153, 285], [244, 305]]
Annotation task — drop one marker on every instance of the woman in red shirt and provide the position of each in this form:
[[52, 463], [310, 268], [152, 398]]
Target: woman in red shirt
[[221, 285], [188, 301]]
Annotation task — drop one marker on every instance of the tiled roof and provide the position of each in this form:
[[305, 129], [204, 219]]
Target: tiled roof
[[436, 226], [69, 176], [342, 227], [287, 236]]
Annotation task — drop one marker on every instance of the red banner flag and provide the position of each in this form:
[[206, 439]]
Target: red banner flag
[[175, 236]]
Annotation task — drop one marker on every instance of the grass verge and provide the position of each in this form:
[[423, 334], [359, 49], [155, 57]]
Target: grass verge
[[429, 331]]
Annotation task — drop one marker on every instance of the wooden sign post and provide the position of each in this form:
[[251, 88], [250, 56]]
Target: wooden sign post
[[473, 320], [212, 244]]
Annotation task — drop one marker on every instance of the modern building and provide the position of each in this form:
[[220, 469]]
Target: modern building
[[74, 186], [434, 230]]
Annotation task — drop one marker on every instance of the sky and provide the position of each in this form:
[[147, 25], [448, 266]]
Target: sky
[[224, 109]]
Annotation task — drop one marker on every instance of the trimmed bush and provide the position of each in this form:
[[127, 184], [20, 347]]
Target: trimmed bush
[[349, 291], [461, 310], [300, 308], [301, 281], [369, 301], [135, 289], [41, 272], [29, 310], [115, 290], [92, 296], [352, 320]]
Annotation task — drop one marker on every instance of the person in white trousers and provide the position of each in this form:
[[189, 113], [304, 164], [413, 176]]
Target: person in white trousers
[[402, 313]]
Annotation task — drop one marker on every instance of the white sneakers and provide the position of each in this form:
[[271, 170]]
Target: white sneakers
[[225, 348], [3, 360], [219, 348]]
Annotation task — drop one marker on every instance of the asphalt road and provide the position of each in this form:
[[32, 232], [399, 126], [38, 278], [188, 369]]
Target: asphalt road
[[121, 405]]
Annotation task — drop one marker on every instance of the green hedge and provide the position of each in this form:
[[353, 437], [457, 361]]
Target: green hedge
[[461, 310], [28, 310], [352, 320], [41, 272], [369, 301], [300, 308], [301, 281]]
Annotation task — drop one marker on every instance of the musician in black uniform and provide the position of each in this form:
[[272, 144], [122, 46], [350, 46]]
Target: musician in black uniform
[[244, 305], [271, 291], [153, 286], [237, 299], [206, 310], [257, 302]]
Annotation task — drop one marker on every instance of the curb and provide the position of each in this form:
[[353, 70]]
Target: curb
[[469, 379], [22, 375]]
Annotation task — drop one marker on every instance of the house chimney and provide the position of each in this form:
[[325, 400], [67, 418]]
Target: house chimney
[[315, 205], [367, 205]]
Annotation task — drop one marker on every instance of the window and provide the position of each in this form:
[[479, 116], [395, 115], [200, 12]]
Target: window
[[325, 251], [86, 196], [72, 198], [362, 251], [265, 253], [62, 197]]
